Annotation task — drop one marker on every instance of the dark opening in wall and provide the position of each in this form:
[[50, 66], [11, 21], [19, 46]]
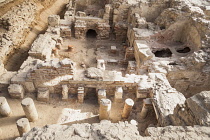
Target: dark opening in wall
[[163, 53], [91, 34], [184, 50], [162, 27], [91, 96]]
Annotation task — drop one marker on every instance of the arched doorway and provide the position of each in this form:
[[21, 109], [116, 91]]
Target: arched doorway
[[91, 34]]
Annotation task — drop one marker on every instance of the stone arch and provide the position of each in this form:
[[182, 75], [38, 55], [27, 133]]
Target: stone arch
[[91, 33]]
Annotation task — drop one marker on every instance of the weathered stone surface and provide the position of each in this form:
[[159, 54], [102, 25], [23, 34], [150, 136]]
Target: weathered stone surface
[[42, 46], [54, 20], [178, 132], [199, 105], [165, 99], [105, 130], [23, 126], [115, 131], [16, 91], [94, 73], [16, 25], [43, 94]]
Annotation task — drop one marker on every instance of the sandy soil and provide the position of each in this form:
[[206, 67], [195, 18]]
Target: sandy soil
[[48, 114]]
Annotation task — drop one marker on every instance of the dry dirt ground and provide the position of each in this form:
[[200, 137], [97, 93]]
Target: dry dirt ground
[[50, 113], [87, 51]]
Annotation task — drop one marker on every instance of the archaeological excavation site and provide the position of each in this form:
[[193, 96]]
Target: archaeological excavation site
[[104, 69]]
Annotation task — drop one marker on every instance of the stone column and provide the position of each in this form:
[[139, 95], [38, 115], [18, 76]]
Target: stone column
[[23, 126], [29, 109], [118, 94], [4, 107], [81, 94], [105, 109], [127, 108], [147, 104], [65, 94], [101, 95]]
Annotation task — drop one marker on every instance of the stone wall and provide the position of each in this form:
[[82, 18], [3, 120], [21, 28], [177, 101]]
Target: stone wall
[[14, 26], [51, 73], [82, 25], [195, 111], [150, 10], [176, 29]]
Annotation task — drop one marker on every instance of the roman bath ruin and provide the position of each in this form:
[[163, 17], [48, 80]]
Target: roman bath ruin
[[104, 69]]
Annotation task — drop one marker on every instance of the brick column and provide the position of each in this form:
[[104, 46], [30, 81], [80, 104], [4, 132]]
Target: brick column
[[127, 108], [101, 95], [105, 109], [147, 104]]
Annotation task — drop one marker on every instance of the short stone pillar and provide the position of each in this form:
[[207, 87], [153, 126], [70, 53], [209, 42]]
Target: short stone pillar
[[127, 108], [43, 94], [23, 126], [65, 92], [101, 95], [16, 91], [113, 49], [105, 109], [147, 105], [118, 94], [5, 109], [54, 20], [81, 94], [29, 109], [101, 64]]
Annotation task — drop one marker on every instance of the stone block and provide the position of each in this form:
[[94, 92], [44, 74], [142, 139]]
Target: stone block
[[101, 94], [65, 92], [43, 94], [81, 14], [29, 87], [65, 32], [81, 94], [113, 49], [101, 64], [118, 94], [16, 91], [54, 20]]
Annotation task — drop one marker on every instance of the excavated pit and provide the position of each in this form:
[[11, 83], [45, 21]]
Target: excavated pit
[[163, 53], [68, 60], [183, 50]]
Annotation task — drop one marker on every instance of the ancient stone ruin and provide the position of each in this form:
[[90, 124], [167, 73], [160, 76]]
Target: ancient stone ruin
[[104, 69]]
